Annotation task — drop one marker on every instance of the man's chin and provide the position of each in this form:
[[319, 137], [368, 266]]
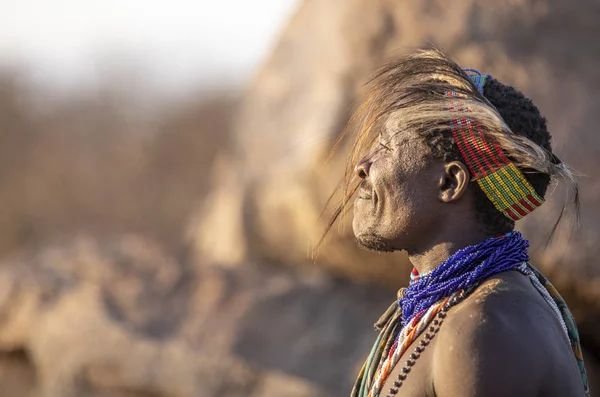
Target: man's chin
[[373, 242]]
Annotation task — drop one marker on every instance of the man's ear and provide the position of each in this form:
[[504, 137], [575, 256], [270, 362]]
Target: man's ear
[[454, 182]]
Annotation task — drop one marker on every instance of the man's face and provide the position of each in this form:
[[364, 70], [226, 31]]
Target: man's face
[[398, 200]]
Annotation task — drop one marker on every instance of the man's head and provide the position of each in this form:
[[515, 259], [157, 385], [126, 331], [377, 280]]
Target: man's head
[[412, 176]]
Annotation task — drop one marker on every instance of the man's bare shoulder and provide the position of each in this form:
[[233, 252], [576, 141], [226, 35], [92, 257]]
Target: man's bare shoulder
[[498, 341], [496, 304], [506, 305]]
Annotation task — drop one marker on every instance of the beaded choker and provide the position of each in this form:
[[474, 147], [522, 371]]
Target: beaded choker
[[462, 270], [501, 181]]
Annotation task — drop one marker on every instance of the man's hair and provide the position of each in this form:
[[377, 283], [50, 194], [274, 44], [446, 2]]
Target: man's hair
[[417, 86]]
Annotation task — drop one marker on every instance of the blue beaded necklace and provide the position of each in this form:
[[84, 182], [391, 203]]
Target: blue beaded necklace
[[463, 270]]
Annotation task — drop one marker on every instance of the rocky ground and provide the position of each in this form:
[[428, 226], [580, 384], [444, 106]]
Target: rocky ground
[[120, 318]]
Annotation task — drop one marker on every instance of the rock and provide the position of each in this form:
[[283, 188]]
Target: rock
[[17, 375], [276, 181], [299, 322]]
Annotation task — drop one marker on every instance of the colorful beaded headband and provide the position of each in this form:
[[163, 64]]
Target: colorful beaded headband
[[502, 182]]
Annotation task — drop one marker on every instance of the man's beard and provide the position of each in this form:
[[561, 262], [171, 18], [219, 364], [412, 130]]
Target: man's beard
[[371, 241]]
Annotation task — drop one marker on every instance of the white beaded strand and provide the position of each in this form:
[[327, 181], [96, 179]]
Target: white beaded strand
[[546, 295]]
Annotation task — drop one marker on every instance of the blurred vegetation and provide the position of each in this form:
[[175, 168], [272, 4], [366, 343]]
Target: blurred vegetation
[[97, 162]]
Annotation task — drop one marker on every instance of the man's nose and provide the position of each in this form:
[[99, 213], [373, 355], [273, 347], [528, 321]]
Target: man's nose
[[363, 167]]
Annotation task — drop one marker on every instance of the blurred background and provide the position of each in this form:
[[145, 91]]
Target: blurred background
[[163, 172]]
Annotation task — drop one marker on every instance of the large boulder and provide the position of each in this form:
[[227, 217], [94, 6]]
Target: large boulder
[[270, 188]]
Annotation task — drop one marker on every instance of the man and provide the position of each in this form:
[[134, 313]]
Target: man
[[445, 161]]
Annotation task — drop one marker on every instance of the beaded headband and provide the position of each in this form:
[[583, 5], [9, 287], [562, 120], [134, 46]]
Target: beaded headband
[[502, 182]]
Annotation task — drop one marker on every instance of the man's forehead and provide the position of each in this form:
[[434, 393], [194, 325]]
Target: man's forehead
[[392, 127]]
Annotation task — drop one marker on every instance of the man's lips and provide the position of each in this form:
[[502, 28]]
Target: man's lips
[[364, 196], [364, 191]]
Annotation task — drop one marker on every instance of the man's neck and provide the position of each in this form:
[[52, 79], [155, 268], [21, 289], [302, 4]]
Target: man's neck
[[442, 247]]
